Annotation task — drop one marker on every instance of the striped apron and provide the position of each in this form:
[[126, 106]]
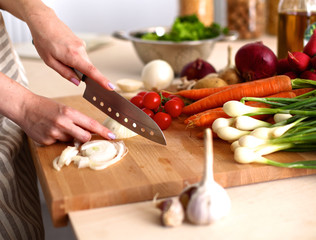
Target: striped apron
[[20, 209]]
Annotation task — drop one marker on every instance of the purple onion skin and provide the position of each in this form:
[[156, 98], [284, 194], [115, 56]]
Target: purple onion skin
[[256, 61], [197, 69]]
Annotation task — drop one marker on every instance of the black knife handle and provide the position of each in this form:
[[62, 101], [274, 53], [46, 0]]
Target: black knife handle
[[80, 75]]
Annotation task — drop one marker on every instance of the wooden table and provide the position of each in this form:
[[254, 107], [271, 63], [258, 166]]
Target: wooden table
[[282, 209]]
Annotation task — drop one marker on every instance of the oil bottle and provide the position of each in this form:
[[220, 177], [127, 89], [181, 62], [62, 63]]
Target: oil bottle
[[294, 18]]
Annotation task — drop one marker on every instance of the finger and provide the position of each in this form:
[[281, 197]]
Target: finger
[[65, 71], [92, 72], [94, 126], [81, 126]]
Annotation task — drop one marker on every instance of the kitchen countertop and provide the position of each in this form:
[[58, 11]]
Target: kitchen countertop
[[282, 209]]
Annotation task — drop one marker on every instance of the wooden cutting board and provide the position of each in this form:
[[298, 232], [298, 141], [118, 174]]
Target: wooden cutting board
[[148, 169]]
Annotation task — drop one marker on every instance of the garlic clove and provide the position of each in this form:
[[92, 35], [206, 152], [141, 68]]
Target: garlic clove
[[129, 85], [172, 213]]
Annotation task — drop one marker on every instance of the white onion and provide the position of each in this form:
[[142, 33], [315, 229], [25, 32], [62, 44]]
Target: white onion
[[97, 154], [157, 75], [118, 129]]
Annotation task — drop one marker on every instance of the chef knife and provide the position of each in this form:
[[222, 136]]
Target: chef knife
[[121, 110]]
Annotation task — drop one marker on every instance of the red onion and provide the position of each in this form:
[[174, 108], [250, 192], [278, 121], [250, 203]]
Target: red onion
[[197, 69], [256, 61]]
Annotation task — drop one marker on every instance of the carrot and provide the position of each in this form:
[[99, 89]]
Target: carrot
[[206, 118], [257, 88], [301, 91], [196, 94]]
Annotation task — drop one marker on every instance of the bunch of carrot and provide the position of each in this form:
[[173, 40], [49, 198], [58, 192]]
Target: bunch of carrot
[[207, 102]]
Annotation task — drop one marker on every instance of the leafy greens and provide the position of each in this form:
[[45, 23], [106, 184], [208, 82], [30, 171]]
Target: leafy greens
[[188, 28]]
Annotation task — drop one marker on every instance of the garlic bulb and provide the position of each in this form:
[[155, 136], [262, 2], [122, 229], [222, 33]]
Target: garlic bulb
[[118, 129], [157, 75], [210, 201]]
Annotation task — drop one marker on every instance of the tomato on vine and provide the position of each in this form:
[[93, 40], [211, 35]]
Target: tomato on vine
[[173, 107], [137, 100], [151, 100], [163, 120], [149, 112]]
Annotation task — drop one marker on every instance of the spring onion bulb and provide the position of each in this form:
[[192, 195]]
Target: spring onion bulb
[[235, 145], [230, 133], [97, 155], [120, 131], [279, 117], [249, 123], [222, 122], [248, 155], [250, 141], [236, 108]]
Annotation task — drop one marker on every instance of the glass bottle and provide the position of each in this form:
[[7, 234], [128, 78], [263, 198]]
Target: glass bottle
[[294, 17], [247, 17], [272, 17], [204, 9]]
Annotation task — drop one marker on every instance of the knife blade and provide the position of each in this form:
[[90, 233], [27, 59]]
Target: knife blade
[[121, 110]]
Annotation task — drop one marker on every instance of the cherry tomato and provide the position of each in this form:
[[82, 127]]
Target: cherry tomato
[[148, 112], [160, 108], [137, 100], [173, 107], [174, 97], [163, 120], [151, 100], [142, 93], [165, 94]]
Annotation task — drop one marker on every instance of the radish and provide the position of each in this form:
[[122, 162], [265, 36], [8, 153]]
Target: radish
[[283, 66], [291, 75], [310, 47], [299, 61], [309, 74], [313, 62]]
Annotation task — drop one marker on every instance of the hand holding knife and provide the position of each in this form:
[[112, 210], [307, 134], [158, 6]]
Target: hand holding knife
[[121, 110]]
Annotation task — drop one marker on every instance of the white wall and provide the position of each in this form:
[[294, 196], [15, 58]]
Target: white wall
[[107, 16]]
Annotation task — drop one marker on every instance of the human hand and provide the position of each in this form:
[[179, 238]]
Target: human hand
[[61, 49], [47, 121]]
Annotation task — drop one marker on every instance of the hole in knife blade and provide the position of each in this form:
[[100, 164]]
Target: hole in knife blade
[[151, 133], [143, 129], [117, 114], [94, 98], [101, 104], [126, 120], [134, 125], [109, 109]]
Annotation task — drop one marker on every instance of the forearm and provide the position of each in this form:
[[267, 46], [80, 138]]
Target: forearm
[[25, 9], [12, 98]]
